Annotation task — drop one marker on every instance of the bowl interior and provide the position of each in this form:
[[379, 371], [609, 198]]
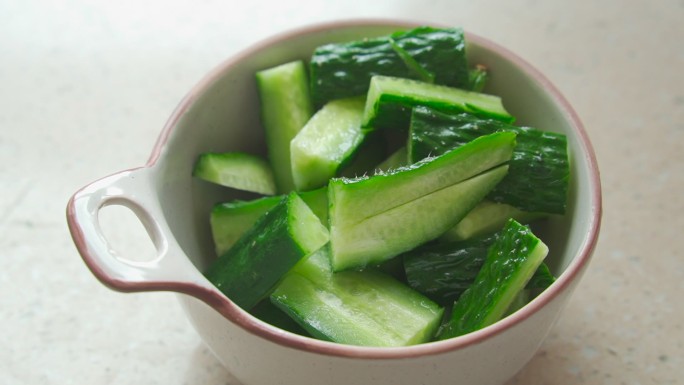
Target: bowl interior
[[222, 114]]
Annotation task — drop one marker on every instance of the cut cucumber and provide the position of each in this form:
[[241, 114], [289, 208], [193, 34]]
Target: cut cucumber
[[396, 160], [366, 308], [487, 217], [327, 142], [478, 77], [353, 200], [285, 108], [249, 271], [539, 175], [443, 271], [230, 220], [511, 261], [390, 100], [342, 70], [237, 170]]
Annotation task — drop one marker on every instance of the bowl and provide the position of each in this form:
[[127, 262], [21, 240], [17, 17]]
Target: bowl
[[221, 114]]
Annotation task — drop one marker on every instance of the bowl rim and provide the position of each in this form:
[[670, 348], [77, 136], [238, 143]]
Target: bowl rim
[[266, 331]]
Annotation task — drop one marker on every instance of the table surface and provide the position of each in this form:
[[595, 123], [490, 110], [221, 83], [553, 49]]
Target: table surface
[[86, 87]]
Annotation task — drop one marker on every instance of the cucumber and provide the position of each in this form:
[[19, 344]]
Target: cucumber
[[478, 77], [487, 217], [539, 174], [269, 313], [443, 271], [248, 272], [375, 218], [342, 70], [237, 170], [397, 159], [390, 100], [285, 108], [511, 261], [230, 220], [366, 308], [326, 143]]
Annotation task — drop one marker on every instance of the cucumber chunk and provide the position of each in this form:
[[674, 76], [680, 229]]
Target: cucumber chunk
[[237, 170], [511, 261], [285, 108], [366, 308], [230, 220], [248, 272], [342, 70], [375, 218], [390, 100], [327, 142], [443, 271], [539, 175], [487, 217]]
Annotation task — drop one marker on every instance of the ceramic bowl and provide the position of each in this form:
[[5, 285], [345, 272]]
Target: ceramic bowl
[[221, 113]]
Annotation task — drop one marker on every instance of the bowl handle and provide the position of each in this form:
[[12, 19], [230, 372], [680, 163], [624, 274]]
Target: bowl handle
[[170, 270]]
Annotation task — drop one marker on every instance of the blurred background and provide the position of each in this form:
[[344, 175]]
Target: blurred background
[[86, 86]]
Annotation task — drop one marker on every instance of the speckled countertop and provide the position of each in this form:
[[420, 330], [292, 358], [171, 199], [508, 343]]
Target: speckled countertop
[[85, 88]]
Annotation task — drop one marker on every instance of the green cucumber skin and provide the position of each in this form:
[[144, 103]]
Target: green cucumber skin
[[539, 175], [390, 101], [230, 220], [342, 70], [365, 308], [478, 78], [286, 106], [511, 261], [251, 268], [443, 271], [236, 170]]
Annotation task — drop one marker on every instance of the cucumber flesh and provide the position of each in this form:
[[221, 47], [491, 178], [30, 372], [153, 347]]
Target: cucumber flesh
[[248, 271], [487, 217], [353, 200], [366, 308], [511, 261], [237, 170], [385, 235], [327, 142], [285, 108], [390, 100]]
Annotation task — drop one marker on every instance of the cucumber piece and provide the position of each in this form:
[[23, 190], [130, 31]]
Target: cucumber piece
[[511, 261], [237, 170], [353, 200], [539, 175], [342, 70], [383, 236], [487, 217], [269, 313], [230, 220], [438, 52], [285, 108], [443, 271], [478, 77], [372, 151], [396, 160], [248, 272], [365, 308], [390, 100], [327, 142]]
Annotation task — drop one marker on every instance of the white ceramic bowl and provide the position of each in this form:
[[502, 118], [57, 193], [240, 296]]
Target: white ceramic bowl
[[221, 114]]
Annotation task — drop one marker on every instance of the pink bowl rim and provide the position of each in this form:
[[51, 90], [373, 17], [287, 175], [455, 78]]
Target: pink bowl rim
[[263, 330]]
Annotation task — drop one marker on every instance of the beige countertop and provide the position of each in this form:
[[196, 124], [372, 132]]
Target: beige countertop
[[85, 88]]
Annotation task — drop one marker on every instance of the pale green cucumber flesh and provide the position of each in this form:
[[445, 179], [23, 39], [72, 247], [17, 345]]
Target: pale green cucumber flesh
[[327, 141], [353, 200], [487, 217], [285, 108], [252, 267], [237, 170], [366, 308], [387, 234]]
